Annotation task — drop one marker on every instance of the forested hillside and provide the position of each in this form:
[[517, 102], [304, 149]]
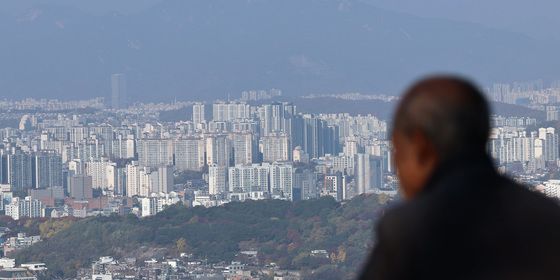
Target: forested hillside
[[282, 232]]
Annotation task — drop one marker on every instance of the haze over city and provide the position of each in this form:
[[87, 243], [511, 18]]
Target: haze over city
[[243, 139], [206, 49]]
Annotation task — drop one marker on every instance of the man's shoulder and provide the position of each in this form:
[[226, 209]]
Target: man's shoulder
[[421, 211], [527, 200], [404, 217]]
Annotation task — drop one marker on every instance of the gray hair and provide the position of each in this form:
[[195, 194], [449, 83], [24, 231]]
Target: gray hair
[[451, 111]]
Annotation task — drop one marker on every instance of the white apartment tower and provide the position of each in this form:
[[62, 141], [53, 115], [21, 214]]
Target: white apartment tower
[[216, 179], [242, 146], [217, 150], [368, 173], [98, 172], [275, 148], [281, 180], [189, 154], [27, 207], [198, 113], [229, 111], [247, 178], [155, 152], [133, 179]]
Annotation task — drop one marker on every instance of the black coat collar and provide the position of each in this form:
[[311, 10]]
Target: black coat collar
[[471, 167]]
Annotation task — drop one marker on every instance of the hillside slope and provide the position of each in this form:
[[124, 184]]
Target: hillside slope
[[282, 232]]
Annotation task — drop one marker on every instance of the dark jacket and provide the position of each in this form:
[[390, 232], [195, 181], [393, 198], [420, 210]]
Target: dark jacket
[[469, 223]]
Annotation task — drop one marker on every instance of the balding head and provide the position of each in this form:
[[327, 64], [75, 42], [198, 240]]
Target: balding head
[[439, 119], [451, 111]]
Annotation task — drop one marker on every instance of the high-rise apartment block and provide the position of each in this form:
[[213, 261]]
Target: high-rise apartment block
[[26, 207], [118, 91], [198, 113], [217, 179]]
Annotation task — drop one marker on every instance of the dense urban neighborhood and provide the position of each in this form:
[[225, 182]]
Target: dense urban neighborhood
[[68, 161]]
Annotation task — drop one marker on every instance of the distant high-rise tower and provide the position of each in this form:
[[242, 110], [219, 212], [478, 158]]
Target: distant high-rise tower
[[118, 91], [315, 136], [19, 170], [276, 148], [189, 154], [155, 152], [229, 111], [217, 150], [369, 173], [242, 145], [276, 117], [47, 169], [216, 179], [281, 180], [198, 113]]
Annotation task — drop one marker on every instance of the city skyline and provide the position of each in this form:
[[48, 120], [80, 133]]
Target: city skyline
[[84, 159], [254, 140]]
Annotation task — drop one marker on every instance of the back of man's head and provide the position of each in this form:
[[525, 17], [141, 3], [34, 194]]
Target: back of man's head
[[451, 112]]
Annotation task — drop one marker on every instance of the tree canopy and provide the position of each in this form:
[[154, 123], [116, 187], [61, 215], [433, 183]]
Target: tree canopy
[[282, 232]]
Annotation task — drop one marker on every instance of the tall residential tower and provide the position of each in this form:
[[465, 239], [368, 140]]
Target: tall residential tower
[[118, 91]]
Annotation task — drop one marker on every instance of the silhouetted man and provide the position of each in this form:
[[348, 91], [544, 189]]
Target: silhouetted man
[[461, 219]]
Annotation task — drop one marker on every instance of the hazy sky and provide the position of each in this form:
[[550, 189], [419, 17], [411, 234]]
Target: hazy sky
[[206, 48], [92, 6], [536, 18]]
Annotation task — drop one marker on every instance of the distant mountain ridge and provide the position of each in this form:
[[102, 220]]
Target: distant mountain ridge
[[209, 48]]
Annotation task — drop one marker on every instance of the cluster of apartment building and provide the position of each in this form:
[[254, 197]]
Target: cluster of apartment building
[[512, 145], [78, 165], [535, 95]]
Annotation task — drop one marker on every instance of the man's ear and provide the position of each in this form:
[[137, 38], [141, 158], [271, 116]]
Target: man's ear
[[425, 148]]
